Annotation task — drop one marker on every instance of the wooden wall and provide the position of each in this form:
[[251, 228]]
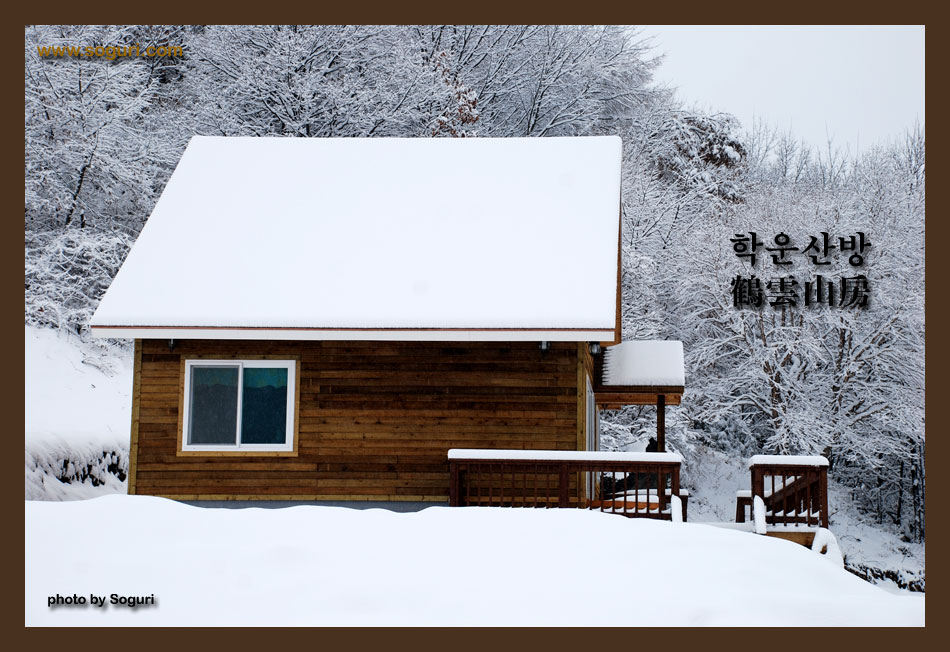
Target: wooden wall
[[375, 418]]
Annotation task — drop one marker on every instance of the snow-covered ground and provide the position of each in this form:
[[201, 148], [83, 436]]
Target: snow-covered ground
[[442, 566], [78, 414]]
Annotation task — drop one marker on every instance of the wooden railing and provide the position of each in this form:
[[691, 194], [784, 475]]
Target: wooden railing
[[631, 484], [794, 490]]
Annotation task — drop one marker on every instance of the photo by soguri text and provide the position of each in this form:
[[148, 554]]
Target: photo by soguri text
[[100, 601]]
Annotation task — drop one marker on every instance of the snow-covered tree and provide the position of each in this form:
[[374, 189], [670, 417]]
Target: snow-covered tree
[[94, 150]]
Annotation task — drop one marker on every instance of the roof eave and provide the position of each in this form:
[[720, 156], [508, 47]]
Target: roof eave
[[387, 334]]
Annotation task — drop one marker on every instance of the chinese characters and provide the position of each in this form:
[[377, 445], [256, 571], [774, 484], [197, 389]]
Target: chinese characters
[[784, 289]]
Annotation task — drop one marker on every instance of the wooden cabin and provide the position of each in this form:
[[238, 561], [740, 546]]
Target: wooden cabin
[[323, 319]]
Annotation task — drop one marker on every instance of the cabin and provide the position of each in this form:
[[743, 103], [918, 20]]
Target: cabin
[[325, 319]]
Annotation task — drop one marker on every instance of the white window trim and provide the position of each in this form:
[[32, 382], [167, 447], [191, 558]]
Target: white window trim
[[287, 446]]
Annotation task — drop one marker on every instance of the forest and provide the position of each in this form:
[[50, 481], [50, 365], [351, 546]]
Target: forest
[[766, 373]]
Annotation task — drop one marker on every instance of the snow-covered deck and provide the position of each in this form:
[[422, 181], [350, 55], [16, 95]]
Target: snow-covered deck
[[619, 483]]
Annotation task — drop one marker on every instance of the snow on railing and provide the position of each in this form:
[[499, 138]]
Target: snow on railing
[[676, 509], [557, 456], [787, 460], [758, 515]]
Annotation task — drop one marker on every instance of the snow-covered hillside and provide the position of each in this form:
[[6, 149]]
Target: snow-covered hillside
[[442, 566], [78, 411]]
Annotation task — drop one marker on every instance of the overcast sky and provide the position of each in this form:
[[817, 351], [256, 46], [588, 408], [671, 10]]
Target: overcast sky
[[859, 84]]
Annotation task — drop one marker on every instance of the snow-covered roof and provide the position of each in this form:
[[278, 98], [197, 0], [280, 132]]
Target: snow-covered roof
[[788, 460], [377, 238], [644, 363]]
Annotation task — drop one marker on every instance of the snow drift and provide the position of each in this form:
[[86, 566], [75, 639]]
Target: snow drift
[[311, 565]]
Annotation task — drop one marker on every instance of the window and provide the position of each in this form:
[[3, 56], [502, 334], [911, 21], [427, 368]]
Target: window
[[239, 405]]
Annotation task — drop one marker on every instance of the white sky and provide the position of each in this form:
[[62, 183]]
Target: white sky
[[859, 84]]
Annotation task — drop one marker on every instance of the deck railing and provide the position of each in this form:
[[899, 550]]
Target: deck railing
[[794, 490], [631, 484]]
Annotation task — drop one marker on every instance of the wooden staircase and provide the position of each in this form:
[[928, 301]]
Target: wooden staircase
[[794, 492]]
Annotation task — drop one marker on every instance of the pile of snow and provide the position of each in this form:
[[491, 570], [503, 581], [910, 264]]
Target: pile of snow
[[78, 415], [826, 544], [758, 515], [311, 565], [644, 362]]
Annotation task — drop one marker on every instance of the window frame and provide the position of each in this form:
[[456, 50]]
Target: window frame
[[288, 448]]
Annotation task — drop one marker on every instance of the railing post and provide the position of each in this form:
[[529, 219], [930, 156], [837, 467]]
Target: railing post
[[661, 474], [564, 499], [758, 489], [453, 483], [675, 488], [810, 479], [823, 493]]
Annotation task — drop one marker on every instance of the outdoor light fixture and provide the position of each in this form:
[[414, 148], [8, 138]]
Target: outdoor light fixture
[[545, 346], [594, 348], [171, 345]]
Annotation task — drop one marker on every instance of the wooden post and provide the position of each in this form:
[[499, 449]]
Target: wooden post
[[453, 484], [660, 490], [675, 489], [661, 423], [808, 499], [564, 499], [823, 493]]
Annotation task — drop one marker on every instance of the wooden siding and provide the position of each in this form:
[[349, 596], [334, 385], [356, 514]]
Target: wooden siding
[[375, 419], [585, 370], [581, 393]]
